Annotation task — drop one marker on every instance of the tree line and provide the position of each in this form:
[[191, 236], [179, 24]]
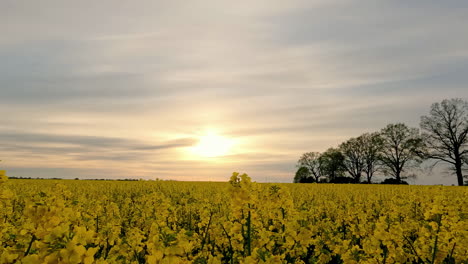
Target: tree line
[[395, 150]]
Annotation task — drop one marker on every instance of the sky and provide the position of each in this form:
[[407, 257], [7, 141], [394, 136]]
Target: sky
[[125, 89]]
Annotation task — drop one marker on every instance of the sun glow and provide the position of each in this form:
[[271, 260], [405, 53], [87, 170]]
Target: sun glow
[[212, 145]]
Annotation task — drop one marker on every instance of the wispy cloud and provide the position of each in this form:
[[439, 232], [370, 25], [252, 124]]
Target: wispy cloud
[[125, 88]]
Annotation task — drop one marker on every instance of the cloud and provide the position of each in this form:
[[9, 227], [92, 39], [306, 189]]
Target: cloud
[[41, 146], [146, 79], [85, 141], [90, 141], [64, 173]]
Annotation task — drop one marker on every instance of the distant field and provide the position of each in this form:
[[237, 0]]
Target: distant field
[[77, 221]]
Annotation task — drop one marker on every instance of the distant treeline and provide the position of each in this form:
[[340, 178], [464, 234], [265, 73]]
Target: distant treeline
[[30, 178], [394, 150]]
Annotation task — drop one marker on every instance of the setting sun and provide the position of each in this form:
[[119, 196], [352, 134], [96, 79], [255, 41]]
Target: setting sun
[[212, 145]]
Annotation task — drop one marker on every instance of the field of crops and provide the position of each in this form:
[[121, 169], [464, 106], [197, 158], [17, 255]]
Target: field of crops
[[77, 221]]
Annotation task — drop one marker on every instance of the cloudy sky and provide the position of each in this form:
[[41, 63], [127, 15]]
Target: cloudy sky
[[125, 89]]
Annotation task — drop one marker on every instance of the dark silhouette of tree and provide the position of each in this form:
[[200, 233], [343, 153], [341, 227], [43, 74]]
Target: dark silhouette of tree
[[343, 179], [445, 134], [332, 164], [303, 176], [393, 181], [402, 148], [372, 145], [465, 169], [312, 161], [353, 157]]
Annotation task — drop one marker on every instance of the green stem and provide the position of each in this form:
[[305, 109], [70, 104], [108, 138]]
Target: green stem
[[33, 238], [231, 249], [97, 224], [249, 233], [412, 247], [206, 232], [436, 239], [453, 248]]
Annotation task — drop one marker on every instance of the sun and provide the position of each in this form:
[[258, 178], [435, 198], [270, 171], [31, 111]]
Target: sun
[[213, 145]]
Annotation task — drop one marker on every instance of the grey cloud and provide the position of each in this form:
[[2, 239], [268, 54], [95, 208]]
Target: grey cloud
[[84, 147], [31, 74], [289, 73], [41, 150], [368, 22], [280, 167], [57, 89], [64, 173], [376, 41], [184, 142], [94, 141], [110, 157]]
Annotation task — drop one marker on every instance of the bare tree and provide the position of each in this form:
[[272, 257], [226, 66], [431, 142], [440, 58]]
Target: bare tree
[[312, 161], [445, 133], [353, 153], [372, 145], [401, 148]]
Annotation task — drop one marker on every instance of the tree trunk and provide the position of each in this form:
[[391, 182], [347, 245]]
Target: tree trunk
[[358, 178], [369, 177], [458, 170], [397, 176]]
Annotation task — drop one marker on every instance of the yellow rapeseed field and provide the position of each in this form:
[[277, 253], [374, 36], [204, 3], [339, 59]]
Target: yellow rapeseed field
[[77, 221]]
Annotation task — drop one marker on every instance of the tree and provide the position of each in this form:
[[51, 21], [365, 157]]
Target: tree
[[371, 144], [353, 157], [393, 181], [302, 175], [312, 161], [332, 163], [402, 148], [445, 133]]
